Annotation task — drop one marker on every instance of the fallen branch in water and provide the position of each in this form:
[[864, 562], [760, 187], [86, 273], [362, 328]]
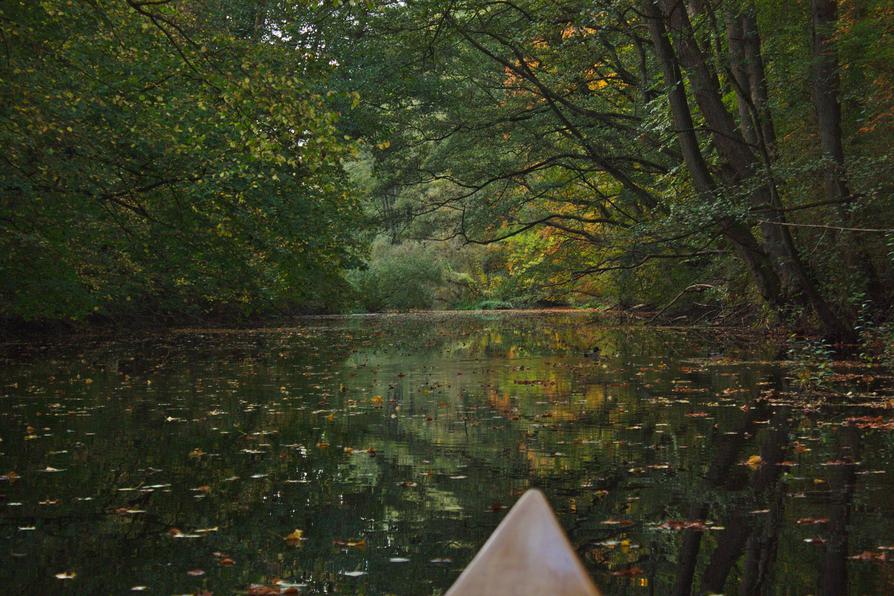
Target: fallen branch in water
[[691, 288]]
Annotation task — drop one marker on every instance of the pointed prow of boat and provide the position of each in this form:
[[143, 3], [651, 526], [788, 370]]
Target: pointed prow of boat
[[527, 555]]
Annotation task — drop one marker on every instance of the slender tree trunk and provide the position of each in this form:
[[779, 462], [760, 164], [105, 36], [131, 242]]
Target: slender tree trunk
[[757, 78], [738, 69], [825, 97], [826, 85]]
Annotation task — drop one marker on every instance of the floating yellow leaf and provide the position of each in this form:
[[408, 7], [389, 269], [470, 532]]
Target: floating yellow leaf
[[377, 400], [754, 462], [295, 536], [361, 543]]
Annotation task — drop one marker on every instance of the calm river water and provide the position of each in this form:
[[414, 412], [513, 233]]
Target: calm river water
[[375, 455]]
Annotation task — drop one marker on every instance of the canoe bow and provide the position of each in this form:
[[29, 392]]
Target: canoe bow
[[527, 555]]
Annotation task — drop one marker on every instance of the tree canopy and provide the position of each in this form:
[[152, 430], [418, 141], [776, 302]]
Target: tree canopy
[[167, 158], [239, 157]]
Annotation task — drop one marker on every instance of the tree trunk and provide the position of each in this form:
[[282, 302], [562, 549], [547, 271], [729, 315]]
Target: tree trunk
[[742, 163], [746, 246], [738, 70], [826, 84], [757, 78]]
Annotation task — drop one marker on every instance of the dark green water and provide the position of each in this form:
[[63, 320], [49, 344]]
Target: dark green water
[[136, 461]]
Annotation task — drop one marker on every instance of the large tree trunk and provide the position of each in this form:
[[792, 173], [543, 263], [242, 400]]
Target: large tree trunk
[[757, 78], [741, 161], [826, 84], [825, 97], [746, 246]]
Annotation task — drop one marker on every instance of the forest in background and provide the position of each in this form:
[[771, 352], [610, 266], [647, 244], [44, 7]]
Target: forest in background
[[227, 160]]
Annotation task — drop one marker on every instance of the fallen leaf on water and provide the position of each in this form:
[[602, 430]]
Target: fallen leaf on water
[[684, 524], [196, 453], [617, 522], [196, 572], [870, 422], [361, 543], [377, 400], [227, 562], [754, 462], [295, 536], [812, 521], [66, 575], [126, 511], [868, 555], [353, 573], [628, 572]]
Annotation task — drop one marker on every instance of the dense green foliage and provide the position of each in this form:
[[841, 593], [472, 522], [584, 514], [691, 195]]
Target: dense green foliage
[[549, 131], [227, 157], [159, 159]]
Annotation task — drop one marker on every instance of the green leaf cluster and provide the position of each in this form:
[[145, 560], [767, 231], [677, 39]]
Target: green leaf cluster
[[167, 159]]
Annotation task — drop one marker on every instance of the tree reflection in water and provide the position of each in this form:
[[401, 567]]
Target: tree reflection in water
[[396, 444]]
